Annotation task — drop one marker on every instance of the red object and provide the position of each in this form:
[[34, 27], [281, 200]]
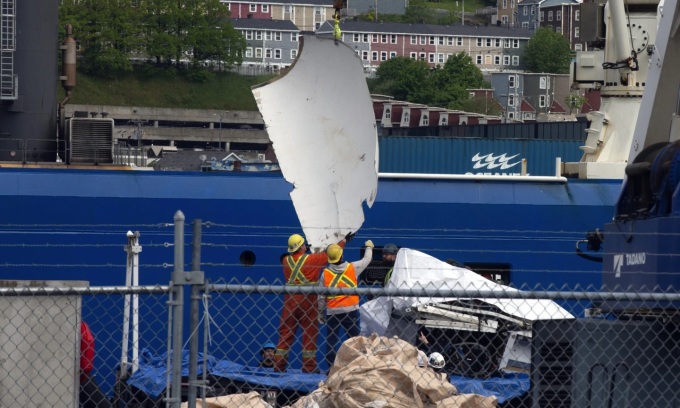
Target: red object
[[86, 349]]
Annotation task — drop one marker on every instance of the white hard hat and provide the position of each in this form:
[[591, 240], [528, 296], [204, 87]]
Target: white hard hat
[[436, 360], [422, 358]]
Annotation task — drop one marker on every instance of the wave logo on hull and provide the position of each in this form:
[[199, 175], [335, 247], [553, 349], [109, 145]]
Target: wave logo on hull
[[492, 162]]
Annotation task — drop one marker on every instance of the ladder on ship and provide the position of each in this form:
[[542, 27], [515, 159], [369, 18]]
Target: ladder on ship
[[8, 80]]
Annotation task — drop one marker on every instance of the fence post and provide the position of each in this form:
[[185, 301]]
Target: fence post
[[176, 388], [196, 283]]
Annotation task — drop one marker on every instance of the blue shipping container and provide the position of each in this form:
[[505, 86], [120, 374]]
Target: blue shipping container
[[440, 155]]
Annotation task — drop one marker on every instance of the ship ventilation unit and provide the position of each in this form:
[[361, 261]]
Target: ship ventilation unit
[[90, 140]]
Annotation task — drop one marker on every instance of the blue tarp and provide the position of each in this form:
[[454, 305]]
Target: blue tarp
[[151, 377], [504, 388]]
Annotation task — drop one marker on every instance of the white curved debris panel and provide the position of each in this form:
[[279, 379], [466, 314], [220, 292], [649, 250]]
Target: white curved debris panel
[[320, 119]]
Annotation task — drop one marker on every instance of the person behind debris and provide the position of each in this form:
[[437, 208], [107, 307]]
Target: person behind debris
[[91, 396], [389, 252], [267, 354], [342, 310], [300, 310]]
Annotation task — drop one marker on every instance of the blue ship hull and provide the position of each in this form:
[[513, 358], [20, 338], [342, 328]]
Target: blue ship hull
[[71, 224]]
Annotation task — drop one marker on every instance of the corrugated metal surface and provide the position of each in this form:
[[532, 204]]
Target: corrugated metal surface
[[471, 155], [536, 130]]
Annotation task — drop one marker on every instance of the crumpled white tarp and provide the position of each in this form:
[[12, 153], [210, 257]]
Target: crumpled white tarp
[[414, 269], [320, 118]]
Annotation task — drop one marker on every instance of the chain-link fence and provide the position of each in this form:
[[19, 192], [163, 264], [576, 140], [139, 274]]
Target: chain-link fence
[[428, 334], [425, 345]]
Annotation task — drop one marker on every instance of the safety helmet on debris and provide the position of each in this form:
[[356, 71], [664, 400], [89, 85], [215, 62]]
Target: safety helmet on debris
[[436, 361], [334, 253], [390, 249], [295, 242]]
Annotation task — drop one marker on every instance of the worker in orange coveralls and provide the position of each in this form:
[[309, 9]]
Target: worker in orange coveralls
[[300, 310]]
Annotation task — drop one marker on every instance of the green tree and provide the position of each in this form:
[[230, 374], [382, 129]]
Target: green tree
[[548, 51], [451, 82], [405, 79], [574, 102], [107, 31]]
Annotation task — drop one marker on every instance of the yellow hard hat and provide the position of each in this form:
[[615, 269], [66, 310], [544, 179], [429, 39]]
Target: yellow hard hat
[[334, 253], [295, 242]]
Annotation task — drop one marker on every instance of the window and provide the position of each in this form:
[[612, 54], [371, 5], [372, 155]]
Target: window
[[440, 58], [393, 38], [265, 8], [414, 55], [277, 53], [293, 54], [471, 95], [511, 100], [515, 60], [249, 52], [383, 38], [356, 37], [294, 37], [498, 42], [258, 52], [441, 40], [550, 15], [541, 82], [258, 35], [558, 30], [277, 36], [506, 60], [393, 54], [533, 10], [268, 35], [388, 113], [577, 31], [578, 47], [253, 8], [365, 38], [577, 15], [364, 55], [431, 57], [511, 115], [480, 42], [525, 11], [515, 43], [541, 18], [383, 55], [374, 55], [507, 43], [288, 12], [525, 24], [423, 40], [445, 120], [459, 41], [558, 15], [541, 101], [426, 120], [433, 40], [267, 52], [375, 38], [511, 81], [504, 19], [422, 56], [479, 59], [489, 42], [497, 60], [414, 39], [249, 35], [505, 4]]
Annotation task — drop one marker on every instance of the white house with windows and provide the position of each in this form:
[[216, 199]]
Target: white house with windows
[[269, 43]]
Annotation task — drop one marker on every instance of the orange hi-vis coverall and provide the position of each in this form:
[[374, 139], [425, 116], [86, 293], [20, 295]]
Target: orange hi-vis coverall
[[300, 310]]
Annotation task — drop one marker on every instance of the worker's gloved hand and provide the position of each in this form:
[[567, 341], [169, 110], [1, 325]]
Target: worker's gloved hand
[[369, 244], [349, 236]]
